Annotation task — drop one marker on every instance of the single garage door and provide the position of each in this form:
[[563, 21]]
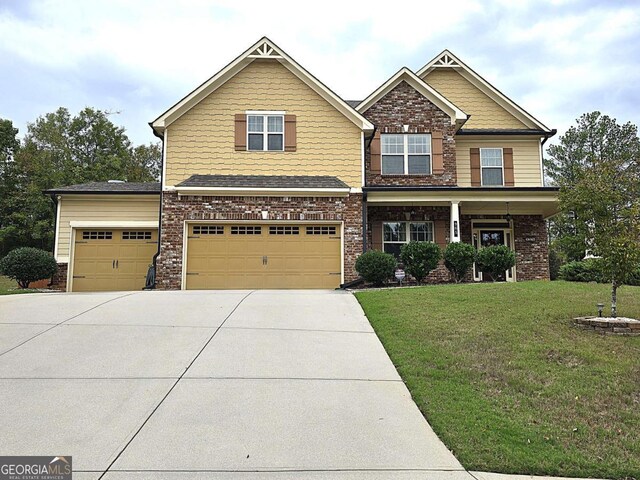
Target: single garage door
[[112, 259], [252, 256]]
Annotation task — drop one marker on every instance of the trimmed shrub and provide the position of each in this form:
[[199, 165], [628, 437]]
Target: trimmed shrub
[[376, 267], [589, 270], [495, 260], [459, 258], [26, 265], [419, 258]]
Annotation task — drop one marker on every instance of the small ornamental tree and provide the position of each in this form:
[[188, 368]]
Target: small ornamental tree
[[495, 260], [376, 267], [26, 265], [419, 258], [459, 258]]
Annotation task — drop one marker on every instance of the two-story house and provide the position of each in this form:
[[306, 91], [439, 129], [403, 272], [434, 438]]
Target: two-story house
[[271, 180]]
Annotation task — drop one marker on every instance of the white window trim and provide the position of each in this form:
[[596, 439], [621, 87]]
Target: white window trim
[[407, 155], [407, 227], [501, 166], [265, 130]]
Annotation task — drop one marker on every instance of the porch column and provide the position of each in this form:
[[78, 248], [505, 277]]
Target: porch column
[[454, 226]]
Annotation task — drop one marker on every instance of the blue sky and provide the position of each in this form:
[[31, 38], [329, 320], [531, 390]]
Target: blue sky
[[557, 59]]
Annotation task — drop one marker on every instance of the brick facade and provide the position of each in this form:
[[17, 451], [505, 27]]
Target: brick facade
[[403, 105], [59, 280], [176, 210]]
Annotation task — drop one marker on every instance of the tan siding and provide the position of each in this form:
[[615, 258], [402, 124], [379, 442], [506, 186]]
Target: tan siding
[[526, 158], [100, 209], [202, 140], [485, 113]]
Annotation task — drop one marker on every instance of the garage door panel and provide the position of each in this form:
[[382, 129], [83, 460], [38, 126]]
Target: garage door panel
[[264, 256]]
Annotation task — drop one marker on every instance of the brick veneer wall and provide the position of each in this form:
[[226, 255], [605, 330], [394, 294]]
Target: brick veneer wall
[[176, 210], [405, 106], [530, 241], [423, 213], [59, 280]]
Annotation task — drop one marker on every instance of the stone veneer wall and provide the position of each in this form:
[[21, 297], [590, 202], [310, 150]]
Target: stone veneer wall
[[403, 105], [439, 215], [530, 241], [177, 210], [59, 280]]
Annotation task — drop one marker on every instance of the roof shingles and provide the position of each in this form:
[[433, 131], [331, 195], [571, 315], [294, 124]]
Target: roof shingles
[[263, 181], [109, 187]]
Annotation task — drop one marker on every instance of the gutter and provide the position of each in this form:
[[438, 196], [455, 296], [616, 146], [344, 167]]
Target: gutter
[[441, 188]]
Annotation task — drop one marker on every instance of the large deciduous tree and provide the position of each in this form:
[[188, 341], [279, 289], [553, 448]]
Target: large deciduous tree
[[59, 149], [598, 170]]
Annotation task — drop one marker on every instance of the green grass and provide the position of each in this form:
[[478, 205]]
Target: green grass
[[506, 380], [8, 287]]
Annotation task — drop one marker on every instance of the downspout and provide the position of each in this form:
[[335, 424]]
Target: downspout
[[544, 140], [150, 283]]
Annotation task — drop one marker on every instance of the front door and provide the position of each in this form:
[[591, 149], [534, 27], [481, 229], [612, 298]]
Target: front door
[[487, 238]]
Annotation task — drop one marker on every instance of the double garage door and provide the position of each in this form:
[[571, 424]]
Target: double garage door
[[254, 256], [112, 259]]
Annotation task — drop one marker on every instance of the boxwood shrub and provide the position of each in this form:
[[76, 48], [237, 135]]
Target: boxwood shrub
[[376, 267], [459, 258], [26, 265], [419, 258]]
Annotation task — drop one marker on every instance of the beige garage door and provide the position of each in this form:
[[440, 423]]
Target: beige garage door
[[112, 259], [248, 256]]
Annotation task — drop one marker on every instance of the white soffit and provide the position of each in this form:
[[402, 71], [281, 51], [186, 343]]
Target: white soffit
[[446, 59]]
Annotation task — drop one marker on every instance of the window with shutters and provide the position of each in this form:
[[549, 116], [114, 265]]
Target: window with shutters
[[491, 167], [396, 234], [406, 154], [265, 132]]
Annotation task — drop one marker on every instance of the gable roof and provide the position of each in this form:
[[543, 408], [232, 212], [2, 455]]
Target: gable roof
[[406, 75], [263, 181], [263, 49], [446, 59], [109, 187]]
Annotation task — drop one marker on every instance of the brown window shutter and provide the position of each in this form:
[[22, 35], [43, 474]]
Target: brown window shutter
[[376, 235], [289, 133], [241, 131], [376, 158], [507, 158], [474, 155], [436, 145], [440, 233]]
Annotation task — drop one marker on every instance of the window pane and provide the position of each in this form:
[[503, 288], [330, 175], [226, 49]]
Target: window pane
[[392, 144], [419, 144], [275, 141], [394, 232], [492, 176], [393, 165], [255, 123], [419, 164], [275, 124], [491, 157], [393, 249], [421, 232], [255, 141]]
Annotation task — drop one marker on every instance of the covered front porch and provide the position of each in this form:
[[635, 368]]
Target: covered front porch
[[479, 216]]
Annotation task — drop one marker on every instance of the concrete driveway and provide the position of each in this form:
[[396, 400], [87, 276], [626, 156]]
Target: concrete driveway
[[234, 384]]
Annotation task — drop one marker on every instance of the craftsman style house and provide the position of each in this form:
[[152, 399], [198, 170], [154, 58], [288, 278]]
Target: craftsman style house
[[270, 180]]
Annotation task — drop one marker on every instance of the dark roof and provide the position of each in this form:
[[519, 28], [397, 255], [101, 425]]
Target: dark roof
[[504, 131], [263, 181], [443, 188], [353, 103], [110, 187]]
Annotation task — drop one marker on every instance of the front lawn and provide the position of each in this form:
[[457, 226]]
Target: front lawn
[[506, 380], [8, 286]]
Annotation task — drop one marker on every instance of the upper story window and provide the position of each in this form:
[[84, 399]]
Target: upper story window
[[492, 167], [396, 234], [265, 132], [406, 154]]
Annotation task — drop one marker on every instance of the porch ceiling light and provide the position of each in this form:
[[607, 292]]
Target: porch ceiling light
[[508, 217]]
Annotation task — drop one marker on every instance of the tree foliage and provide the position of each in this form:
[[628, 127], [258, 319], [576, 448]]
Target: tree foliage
[[598, 171], [459, 258], [59, 149]]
